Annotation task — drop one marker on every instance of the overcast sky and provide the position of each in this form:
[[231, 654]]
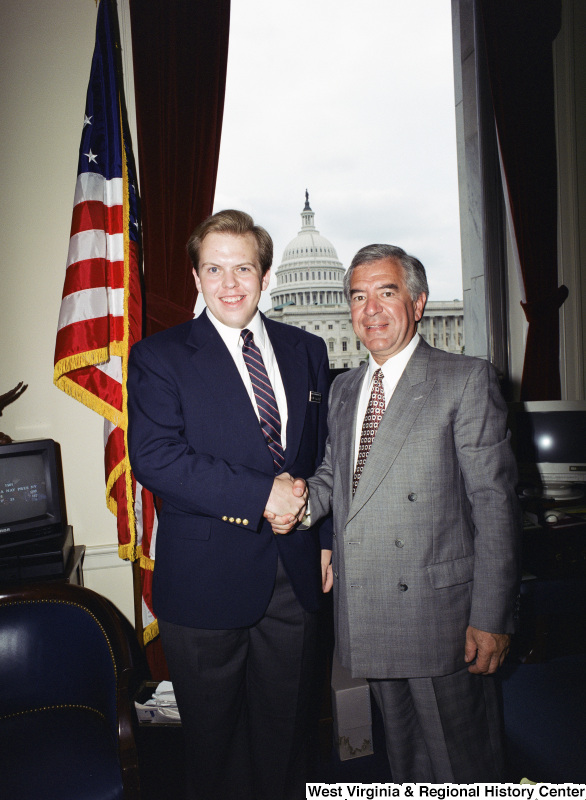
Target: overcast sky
[[355, 102]]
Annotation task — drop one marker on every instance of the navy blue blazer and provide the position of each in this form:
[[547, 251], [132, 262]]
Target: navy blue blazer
[[195, 441]]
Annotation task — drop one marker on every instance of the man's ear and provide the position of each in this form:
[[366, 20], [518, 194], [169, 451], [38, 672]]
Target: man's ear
[[419, 306], [197, 280], [264, 284]]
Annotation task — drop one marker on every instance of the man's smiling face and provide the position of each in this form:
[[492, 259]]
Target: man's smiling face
[[230, 277], [384, 316]]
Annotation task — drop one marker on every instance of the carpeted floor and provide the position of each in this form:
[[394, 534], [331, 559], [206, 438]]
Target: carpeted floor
[[544, 708], [545, 720]]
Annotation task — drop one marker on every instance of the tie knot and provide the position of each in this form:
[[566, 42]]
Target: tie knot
[[377, 376], [247, 336]]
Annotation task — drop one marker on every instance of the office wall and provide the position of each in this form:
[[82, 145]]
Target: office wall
[[46, 50]]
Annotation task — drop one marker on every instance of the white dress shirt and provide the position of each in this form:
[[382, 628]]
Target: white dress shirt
[[233, 340], [392, 370]]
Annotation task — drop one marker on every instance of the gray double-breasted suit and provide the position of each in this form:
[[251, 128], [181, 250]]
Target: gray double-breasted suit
[[427, 546], [429, 543]]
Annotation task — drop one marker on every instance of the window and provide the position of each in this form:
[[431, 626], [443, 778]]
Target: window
[[344, 346], [285, 44], [331, 346]]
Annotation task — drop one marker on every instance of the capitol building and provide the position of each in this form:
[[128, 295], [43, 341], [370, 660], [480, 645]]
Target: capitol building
[[310, 295]]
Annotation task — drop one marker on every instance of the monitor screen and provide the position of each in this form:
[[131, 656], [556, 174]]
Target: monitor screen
[[23, 488], [558, 437]]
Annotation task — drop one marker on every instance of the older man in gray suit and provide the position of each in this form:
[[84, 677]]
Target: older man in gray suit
[[421, 479]]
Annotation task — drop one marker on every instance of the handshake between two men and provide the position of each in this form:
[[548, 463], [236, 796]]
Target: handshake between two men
[[286, 507]]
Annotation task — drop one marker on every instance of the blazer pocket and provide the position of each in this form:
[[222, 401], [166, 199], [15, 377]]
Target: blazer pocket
[[451, 573]]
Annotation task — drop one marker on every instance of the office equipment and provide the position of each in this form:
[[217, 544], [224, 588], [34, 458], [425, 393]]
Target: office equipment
[[549, 440], [32, 500], [35, 539]]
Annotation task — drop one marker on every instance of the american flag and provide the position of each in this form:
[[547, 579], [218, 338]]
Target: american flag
[[101, 308]]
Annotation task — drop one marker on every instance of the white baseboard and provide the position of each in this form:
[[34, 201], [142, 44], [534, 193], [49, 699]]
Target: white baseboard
[[103, 557]]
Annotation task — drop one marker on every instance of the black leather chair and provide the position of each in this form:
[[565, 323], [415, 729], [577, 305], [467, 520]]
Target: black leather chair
[[66, 718]]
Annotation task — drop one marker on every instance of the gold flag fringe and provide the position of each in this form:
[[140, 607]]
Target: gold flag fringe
[[151, 632]]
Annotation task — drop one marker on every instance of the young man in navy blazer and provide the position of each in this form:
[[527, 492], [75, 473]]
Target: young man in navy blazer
[[236, 604]]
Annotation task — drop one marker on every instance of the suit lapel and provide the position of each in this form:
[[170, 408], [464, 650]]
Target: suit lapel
[[346, 427], [400, 415], [219, 376]]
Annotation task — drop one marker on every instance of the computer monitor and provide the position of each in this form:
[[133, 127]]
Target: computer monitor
[[549, 440], [32, 503]]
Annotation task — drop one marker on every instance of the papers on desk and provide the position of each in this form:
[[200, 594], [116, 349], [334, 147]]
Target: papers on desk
[[160, 708]]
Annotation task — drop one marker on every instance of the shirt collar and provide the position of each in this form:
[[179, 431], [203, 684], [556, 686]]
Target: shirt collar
[[396, 364], [231, 336]]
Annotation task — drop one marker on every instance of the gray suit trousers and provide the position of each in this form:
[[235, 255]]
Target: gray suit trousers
[[446, 729]]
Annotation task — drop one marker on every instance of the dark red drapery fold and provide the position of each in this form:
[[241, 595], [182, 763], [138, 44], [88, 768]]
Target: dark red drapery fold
[[180, 52], [519, 36]]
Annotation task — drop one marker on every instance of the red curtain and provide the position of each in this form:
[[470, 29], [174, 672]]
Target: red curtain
[[519, 36], [180, 52]]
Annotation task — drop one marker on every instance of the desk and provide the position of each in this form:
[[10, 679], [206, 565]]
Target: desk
[[553, 591], [31, 563], [555, 552]]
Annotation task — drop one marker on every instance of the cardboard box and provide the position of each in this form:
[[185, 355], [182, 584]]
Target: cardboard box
[[351, 714]]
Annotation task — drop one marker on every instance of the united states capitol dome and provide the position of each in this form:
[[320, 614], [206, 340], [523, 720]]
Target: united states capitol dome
[[310, 272], [309, 245]]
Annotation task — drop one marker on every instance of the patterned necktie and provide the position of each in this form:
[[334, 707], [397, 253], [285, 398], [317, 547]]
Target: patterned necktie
[[372, 418], [268, 411]]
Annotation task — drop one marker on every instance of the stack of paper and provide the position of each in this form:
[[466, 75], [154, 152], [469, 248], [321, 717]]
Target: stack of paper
[[161, 707]]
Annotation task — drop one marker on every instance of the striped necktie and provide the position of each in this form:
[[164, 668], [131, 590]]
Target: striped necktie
[[372, 418], [268, 411]]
